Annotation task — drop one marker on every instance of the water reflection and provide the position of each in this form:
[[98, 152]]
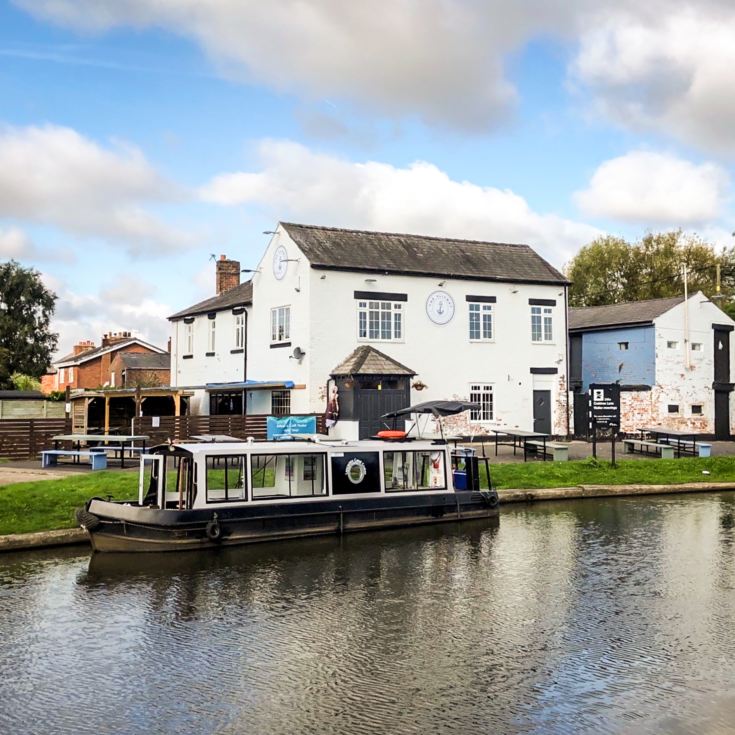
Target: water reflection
[[607, 616]]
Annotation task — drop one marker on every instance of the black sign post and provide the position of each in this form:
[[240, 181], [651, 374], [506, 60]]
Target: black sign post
[[604, 406]]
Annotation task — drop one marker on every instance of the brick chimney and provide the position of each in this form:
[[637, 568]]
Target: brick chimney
[[83, 346], [228, 274], [112, 338]]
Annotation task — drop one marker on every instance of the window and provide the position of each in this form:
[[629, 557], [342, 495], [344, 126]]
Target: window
[[672, 345], [287, 476], [673, 408], [481, 322], [380, 320], [696, 346], [189, 338], [281, 324], [623, 346], [697, 410], [211, 335], [413, 471], [482, 394], [226, 478], [541, 330], [61, 375], [240, 331], [71, 373], [280, 402]]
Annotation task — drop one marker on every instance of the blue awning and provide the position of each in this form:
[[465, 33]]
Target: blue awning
[[251, 385]]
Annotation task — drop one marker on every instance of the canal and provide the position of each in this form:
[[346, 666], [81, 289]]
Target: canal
[[607, 616]]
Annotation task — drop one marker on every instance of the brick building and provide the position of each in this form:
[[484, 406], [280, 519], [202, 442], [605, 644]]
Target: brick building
[[88, 366]]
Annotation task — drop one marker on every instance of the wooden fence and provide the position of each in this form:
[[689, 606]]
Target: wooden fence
[[181, 428], [23, 438]]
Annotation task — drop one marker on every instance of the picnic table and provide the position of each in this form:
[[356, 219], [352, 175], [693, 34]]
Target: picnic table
[[519, 439], [115, 442], [682, 440]]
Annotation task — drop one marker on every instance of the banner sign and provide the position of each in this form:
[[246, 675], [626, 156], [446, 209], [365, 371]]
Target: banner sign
[[605, 406], [278, 426]]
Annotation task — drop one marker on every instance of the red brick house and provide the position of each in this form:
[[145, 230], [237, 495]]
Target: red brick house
[[89, 367], [144, 369]]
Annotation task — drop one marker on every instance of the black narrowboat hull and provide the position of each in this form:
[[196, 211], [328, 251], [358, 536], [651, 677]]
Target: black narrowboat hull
[[118, 527]]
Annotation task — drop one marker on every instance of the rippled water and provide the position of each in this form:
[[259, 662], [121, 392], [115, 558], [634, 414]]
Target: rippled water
[[592, 616]]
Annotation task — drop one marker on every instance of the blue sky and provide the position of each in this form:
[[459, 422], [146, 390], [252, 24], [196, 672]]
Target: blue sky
[[138, 137]]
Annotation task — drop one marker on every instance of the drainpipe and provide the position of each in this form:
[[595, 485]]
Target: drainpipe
[[566, 343], [245, 360], [686, 319]]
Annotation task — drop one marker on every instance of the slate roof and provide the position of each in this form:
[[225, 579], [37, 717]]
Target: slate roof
[[614, 315], [146, 361], [72, 359], [389, 252], [366, 360], [241, 295]]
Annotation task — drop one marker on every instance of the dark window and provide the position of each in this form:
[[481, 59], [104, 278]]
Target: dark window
[[696, 409], [287, 476], [280, 402], [225, 403], [673, 408], [623, 345], [226, 478], [404, 471]]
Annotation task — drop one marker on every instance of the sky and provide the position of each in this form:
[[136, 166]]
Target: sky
[[140, 139]]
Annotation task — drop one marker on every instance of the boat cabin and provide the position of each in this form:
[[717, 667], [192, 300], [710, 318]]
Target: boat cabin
[[212, 475]]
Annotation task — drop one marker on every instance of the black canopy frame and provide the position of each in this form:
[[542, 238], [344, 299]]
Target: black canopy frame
[[438, 409]]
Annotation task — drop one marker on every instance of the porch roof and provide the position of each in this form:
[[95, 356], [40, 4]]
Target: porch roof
[[366, 360]]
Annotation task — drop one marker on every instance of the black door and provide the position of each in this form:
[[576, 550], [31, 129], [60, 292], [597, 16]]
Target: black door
[[376, 397], [722, 385], [542, 411], [581, 417]]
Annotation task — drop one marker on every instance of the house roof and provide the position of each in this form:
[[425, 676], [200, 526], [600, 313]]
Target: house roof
[[241, 295], [614, 315], [145, 360], [389, 252], [72, 359], [366, 360]]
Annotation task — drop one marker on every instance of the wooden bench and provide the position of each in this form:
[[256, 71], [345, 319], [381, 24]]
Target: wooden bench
[[50, 457], [556, 450], [644, 446]]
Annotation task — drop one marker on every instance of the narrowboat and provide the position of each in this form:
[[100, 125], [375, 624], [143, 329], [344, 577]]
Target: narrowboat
[[199, 495]]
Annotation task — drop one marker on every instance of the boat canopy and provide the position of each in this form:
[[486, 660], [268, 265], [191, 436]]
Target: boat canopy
[[437, 408]]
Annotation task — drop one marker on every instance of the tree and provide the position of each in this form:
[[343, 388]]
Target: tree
[[26, 307], [610, 270]]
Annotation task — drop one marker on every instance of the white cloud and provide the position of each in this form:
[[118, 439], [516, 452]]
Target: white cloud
[[296, 183], [16, 244], [54, 176], [128, 304], [666, 67], [655, 188]]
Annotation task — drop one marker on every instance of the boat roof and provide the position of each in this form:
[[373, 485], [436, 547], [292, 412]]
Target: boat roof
[[301, 445]]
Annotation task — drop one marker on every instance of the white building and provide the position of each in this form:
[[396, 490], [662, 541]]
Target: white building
[[671, 358], [388, 319]]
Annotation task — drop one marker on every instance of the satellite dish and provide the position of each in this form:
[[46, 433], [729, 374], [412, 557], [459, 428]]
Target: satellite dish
[[298, 353]]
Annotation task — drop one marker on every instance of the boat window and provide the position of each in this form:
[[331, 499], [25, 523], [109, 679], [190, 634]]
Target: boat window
[[422, 470], [287, 476], [226, 478]]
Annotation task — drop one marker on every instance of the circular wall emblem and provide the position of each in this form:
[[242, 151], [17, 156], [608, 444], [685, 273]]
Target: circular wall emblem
[[280, 262], [355, 471], [440, 307]]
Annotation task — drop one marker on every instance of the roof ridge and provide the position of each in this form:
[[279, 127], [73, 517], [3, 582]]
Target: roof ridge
[[629, 303], [384, 233]]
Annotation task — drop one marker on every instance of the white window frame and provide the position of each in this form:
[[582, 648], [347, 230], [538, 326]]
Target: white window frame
[[240, 331], [189, 338], [62, 372], [280, 324], [545, 317], [672, 344], [486, 318], [212, 335], [697, 347], [71, 375], [383, 315], [484, 394]]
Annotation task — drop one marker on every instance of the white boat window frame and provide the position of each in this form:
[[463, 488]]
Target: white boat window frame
[[158, 459]]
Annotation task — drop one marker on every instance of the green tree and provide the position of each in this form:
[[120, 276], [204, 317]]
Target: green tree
[[610, 270], [24, 382], [26, 307]]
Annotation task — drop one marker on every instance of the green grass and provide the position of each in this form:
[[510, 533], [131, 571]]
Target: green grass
[[47, 505], [533, 475]]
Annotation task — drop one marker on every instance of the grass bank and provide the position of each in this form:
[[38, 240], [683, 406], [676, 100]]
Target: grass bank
[[49, 504]]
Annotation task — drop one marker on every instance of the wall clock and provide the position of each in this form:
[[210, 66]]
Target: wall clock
[[280, 262], [440, 307]]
